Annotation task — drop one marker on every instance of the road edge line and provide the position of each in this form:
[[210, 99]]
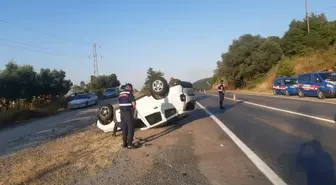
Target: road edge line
[[282, 97], [281, 110], [261, 165]]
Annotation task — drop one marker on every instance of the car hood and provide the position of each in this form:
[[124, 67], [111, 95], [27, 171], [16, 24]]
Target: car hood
[[332, 82], [77, 101]]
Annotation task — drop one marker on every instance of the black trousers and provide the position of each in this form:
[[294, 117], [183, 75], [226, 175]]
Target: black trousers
[[221, 98], [127, 121]]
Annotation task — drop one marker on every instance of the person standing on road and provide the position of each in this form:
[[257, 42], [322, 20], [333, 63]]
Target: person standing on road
[[127, 105], [221, 91]]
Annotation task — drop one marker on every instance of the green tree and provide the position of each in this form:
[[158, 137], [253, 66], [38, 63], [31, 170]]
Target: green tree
[[17, 82], [104, 81], [248, 58], [297, 41], [151, 74], [285, 68]]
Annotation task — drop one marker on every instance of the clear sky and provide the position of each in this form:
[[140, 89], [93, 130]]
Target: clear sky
[[182, 38]]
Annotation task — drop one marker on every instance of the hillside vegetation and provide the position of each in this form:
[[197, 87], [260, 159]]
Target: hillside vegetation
[[201, 84], [253, 61]]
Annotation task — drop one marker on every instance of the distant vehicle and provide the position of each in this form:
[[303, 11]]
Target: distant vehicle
[[165, 102], [122, 87], [285, 85], [320, 84], [111, 93], [83, 100]]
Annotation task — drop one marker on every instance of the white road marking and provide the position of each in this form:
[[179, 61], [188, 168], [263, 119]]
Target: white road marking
[[261, 165], [282, 97], [281, 110]]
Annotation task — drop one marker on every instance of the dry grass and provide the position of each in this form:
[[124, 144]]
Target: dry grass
[[319, 60], [85, 153]]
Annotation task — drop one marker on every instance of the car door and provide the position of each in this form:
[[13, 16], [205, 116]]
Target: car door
[[89, 99], [282, 86], [315, 84], [304, 83]]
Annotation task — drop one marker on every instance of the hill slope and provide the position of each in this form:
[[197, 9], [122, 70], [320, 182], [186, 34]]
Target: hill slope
[[253, 61], [202, 84]]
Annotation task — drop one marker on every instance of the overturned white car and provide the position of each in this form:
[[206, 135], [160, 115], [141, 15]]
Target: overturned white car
[[165, 102]]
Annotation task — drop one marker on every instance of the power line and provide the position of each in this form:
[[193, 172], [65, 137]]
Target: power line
[[326, 9], [43, 33], [30, 47]]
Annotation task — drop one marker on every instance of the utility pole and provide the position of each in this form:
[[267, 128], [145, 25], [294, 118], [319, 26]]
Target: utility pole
[[307, 16], [95, 59]]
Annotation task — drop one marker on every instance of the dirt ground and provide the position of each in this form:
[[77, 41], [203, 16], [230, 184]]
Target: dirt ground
[[85, 152], [192, 151]]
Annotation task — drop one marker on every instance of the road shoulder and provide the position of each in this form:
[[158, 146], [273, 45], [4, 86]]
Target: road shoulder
[[195, 151]]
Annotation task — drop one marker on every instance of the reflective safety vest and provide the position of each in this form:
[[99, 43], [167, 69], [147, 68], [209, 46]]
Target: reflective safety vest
[[125, 100]]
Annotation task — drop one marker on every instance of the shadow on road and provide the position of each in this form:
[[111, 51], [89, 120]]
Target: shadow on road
[[168, 130], [317, 163]]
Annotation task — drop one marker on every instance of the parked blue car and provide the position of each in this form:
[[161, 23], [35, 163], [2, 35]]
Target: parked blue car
[[320, 84], [285, 85], [111, 93]]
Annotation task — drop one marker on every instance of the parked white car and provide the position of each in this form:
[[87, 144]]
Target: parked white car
[[83, 100], [165, 102]]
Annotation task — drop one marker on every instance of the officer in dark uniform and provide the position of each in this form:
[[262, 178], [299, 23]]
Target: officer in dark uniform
[[127, 105], [221, 90]]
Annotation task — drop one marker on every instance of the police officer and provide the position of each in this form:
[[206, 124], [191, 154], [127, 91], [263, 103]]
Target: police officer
[[127, 105], [221, 90]]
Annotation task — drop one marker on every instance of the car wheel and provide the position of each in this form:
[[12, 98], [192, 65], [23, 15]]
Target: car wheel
[[106, 113], [300, 93], [287, 93], [320, 94], [159, 88]]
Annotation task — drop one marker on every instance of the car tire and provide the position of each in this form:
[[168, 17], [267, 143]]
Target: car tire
[[106, 113], [300, 93], [159, 88], [320, 94], [287, 93]]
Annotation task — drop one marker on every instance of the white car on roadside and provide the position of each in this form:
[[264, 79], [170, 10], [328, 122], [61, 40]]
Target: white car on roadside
[[83, 100], [165, 102]]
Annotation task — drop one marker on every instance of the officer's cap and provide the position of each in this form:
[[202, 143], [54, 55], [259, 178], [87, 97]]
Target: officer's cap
[[130, 85]]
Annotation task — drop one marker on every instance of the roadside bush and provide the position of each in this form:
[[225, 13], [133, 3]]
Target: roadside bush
[[285, 68], [13, 115]]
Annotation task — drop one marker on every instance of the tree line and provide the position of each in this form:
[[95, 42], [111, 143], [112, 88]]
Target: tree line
[[98, 83], [23, 82], [250, 57]]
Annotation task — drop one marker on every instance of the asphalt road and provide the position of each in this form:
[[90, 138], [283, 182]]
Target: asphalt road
[[36, 132], [298, 148], [277, 137]]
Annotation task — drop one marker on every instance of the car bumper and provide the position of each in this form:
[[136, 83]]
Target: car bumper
[[330, 93]]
